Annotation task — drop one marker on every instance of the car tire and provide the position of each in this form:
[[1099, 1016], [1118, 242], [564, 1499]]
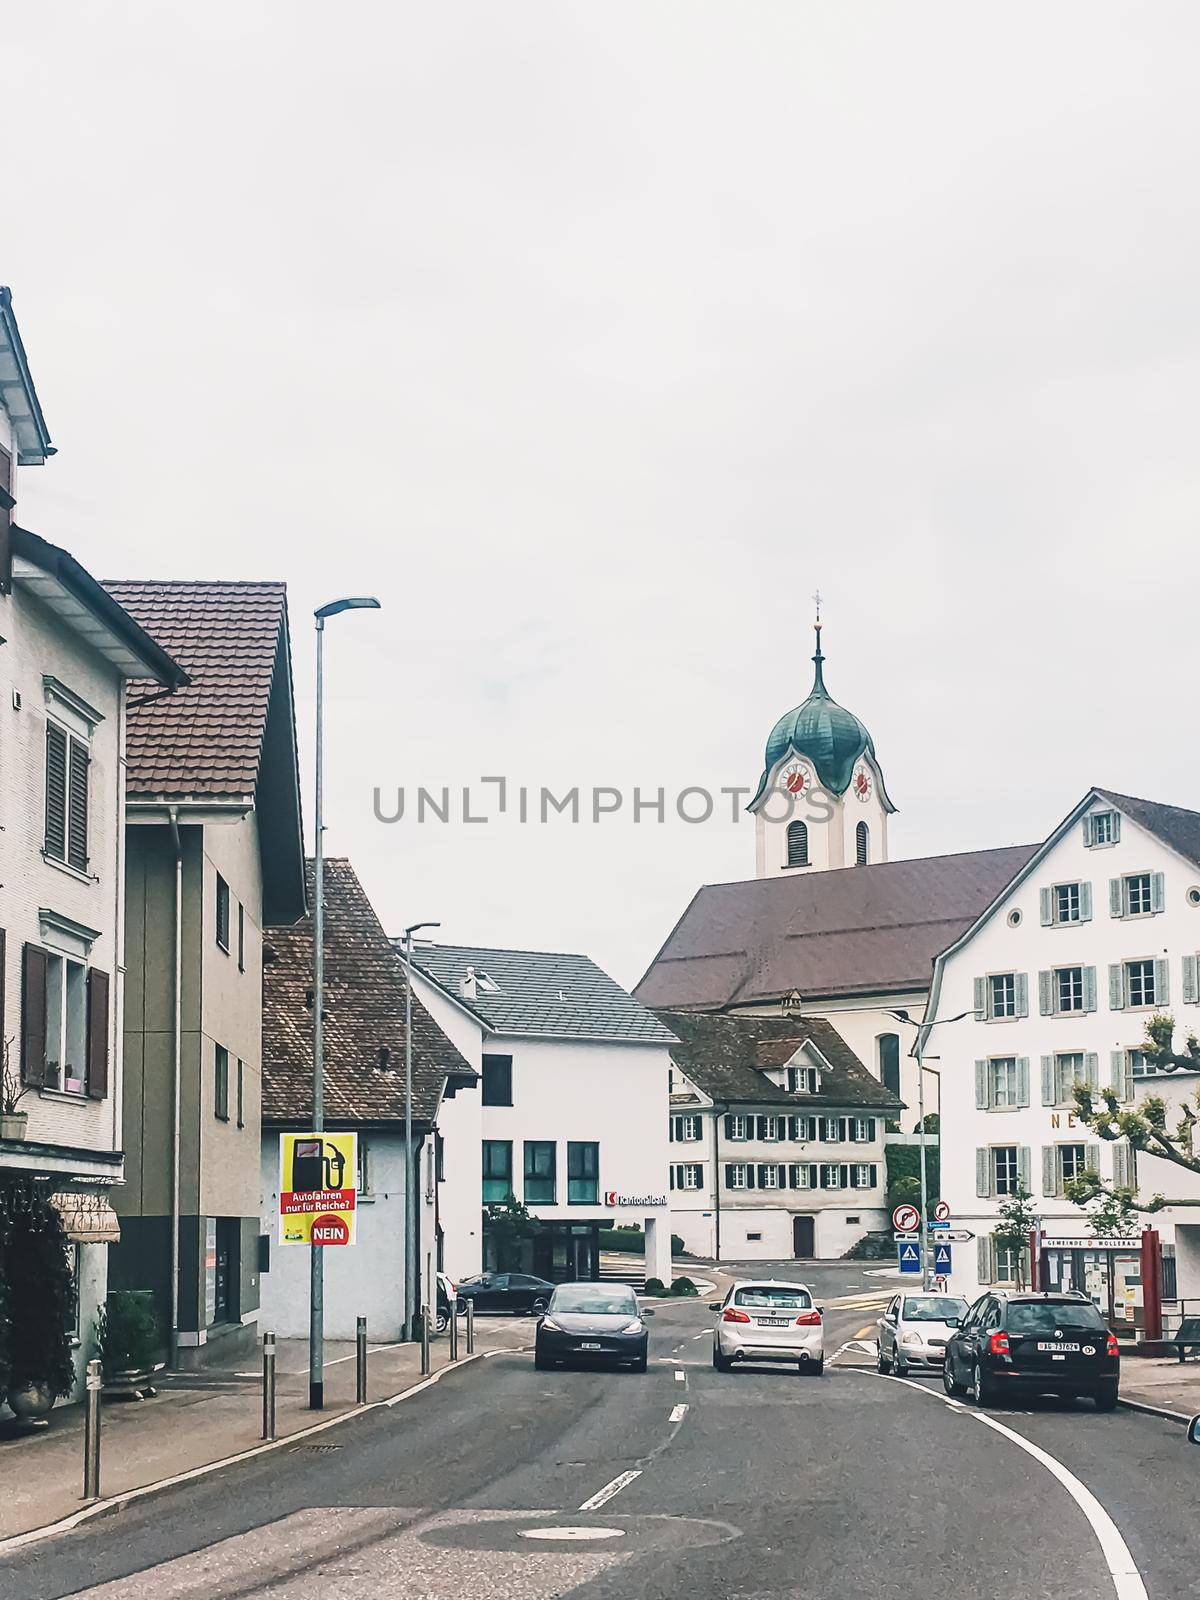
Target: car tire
[[883, 1363], [948, 1382], [540, 1363], [1106, 1400], [900, 1368], [443, 1321], [981, 1388], [538, 1306], [720, 1362], [639, 1365], [818, 1367]]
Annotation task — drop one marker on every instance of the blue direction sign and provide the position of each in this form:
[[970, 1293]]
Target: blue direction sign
[[943, 1258], [909, 1251]]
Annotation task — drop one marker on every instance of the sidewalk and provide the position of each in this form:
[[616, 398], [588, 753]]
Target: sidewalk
[[198, 1418], [1162, 1382]]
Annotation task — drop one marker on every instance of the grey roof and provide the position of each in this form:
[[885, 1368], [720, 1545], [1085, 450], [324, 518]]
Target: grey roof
[[1177, 828], [540, 992], [725, 1056]]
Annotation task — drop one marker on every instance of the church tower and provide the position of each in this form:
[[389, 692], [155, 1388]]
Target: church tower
[[821, 800]]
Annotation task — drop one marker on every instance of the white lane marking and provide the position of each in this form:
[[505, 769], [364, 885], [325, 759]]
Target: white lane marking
[[695, 1336], [1127, 1580], [679, 1377], [678, 1414], [603, 1496], [572, 1534]]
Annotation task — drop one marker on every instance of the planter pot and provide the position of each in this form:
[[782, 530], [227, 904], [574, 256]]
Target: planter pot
[[31, 1403], [13, 1124], [132, 1384]]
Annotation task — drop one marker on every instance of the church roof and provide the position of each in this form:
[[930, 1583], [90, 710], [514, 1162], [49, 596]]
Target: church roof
[[831, 737], [870, 930]]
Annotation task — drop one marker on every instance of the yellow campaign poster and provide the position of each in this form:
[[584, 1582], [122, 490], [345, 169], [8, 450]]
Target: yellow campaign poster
[[318, 1177]]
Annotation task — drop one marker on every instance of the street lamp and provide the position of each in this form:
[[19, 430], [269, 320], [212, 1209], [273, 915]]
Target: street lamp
[[316, 1278], [410, 1206], [918, 1050]]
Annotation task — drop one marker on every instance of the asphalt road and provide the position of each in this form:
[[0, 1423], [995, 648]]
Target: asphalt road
[[756, 1485]]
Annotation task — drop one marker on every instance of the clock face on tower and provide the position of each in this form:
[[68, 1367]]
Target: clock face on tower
[[861, 783], [797, 777]]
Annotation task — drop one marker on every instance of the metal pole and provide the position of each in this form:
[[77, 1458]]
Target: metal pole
[[316, 1293], [268, 1395], [470, 1327], [424, 1340], [361, 1390], [924, 1181], [410, 1202], [454, 1331], [91, 1434]]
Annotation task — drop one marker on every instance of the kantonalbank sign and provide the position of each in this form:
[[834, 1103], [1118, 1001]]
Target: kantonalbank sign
[[613, 1197]]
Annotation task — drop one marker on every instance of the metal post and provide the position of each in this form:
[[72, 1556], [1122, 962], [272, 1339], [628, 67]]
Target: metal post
[[925, 1284], [316, 1279], [424, 1340], [268, 1394], [361, 1390], [410, 1181], [91, 1433], [470, 1327], [454, 1331]]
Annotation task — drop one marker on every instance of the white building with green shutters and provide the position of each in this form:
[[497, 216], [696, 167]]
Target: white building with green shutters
[[1095, 934]]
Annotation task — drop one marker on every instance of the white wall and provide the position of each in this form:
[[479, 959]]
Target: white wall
[[832, 822], [1030, 948], [460, 1197]]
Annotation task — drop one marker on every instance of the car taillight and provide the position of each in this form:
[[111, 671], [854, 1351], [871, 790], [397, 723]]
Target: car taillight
[[732, 1315], [1112, 1348], [998, 1344], [809, 1319]]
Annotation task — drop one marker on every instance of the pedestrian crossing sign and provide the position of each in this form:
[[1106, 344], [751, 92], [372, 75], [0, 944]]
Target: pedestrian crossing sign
[[910, 1256]]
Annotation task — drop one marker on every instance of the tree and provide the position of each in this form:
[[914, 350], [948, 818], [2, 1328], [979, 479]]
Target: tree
[[1017, 1221], [506, 1227], [1145, 1127]]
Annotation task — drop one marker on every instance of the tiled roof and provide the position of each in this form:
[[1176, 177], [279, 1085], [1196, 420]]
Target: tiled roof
[[724, 1056], [541, 992], [1177, 828], [364, 1006], [206, 739], [855, 930]]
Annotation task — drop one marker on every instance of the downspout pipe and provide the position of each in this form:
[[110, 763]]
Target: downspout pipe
[[718, 1112], [177, 1080]]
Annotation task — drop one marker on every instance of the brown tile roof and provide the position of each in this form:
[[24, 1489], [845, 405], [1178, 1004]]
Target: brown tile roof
[[1178, 829], [206, 739], [724, 1056], [854, 931], [364, 1006]]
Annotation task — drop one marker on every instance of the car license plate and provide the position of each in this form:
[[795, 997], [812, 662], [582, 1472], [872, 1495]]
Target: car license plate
[[772, 1322], [587, 1345], [1058, 1347]]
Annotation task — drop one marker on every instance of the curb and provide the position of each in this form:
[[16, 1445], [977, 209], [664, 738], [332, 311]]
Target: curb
[[1155, 1411], [118, 1502]]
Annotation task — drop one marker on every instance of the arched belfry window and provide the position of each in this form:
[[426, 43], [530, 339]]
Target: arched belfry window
[[889, 1061], [797, 844], [862, 845]]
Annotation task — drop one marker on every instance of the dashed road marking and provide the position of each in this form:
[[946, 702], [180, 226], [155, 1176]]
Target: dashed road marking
[[678, 1414], [679, 1377], [603, 1496]]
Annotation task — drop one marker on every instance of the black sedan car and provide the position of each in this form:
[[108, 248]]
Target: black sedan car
[[1012, 1343], [515, 1292], [592, 1322]]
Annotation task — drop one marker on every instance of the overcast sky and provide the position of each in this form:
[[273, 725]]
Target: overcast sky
[[592, 339]]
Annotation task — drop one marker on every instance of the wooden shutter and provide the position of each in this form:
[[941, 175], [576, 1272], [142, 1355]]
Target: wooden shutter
[[982, 1086], [1116, 987], [729, 1170], [1088, 831], [1085, 902], [1116, 897], [1162, 982], [33, 1015], [1116, 827], [1023, 1166], [671, 1125], [983, 1173], [1091, 1158], [1091, 1069], [871, 1129], [1189, 981], [1049, 1087], [983, 1258], [980, 999], [1121, 1070], [1046, 899], [1021, 985], [729, 1127], [1158, 891], [97, 1034], [1049, 1169], [1022, 1080], [1120, 1176], [56, 792], [1046, 993], [1089, 988], [77, 831]]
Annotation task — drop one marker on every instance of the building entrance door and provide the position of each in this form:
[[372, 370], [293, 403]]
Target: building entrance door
[[804, 1237]]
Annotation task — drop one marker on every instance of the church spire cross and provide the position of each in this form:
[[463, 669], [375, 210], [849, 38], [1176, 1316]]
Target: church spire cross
[[818, 658]]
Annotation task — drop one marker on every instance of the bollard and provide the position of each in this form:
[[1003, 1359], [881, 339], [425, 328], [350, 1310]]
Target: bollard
[[454, 1331], [424, 1340], [470, 1327], [91, 1433], [268, 1431], [361, 1393]]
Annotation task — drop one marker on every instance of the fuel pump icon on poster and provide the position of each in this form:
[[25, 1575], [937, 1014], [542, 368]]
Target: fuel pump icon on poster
[[317, 1165]]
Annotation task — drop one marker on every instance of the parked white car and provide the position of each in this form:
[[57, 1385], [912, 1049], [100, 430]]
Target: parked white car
[[914, 1329], [764, 1320]]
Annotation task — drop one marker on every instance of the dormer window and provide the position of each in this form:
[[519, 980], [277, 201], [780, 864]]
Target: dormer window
[[802, 1080], [1102, 828]]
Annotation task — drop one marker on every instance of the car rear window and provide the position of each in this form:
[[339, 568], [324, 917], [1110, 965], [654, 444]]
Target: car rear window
[[595, 1300], [773, 1294], [1044, 1317]]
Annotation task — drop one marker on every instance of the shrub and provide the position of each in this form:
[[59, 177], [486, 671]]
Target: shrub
[[684, 1286], [676, 1245], [127, 1332], [656, 1286], [37, 1293]]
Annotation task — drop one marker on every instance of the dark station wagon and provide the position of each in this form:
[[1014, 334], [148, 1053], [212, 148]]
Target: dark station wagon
[[1033, 1344]]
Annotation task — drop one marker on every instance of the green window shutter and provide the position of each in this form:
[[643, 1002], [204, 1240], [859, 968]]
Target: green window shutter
[[1022, 988], [1162, 982], [1049, 1094], [1158, 891], [1087, 831], [1091, 1156], [1089, 988], [1046, 993], [980, 999], [983, 1173], [1023, 1165], [1022, 1080], [1085, 902], [1120, 1175], [1049, 1170], [982, 1097], [1091, 1070], [1116, 897], [1046, 897], [1116, 987], [1116, 827], [1117, 1065], [983, 1258], [1189, 980]]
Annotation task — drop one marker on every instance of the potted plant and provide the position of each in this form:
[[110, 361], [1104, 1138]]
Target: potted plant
[[13, 1123], [128, 1343]]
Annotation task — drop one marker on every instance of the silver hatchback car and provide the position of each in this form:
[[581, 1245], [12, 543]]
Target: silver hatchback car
[[914, 1329], [764, 1320]]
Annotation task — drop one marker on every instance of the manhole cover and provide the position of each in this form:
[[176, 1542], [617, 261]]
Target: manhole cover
[[567, 1534]]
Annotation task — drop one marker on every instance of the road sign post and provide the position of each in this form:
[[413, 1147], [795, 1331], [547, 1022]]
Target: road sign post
[[943, 1259]]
